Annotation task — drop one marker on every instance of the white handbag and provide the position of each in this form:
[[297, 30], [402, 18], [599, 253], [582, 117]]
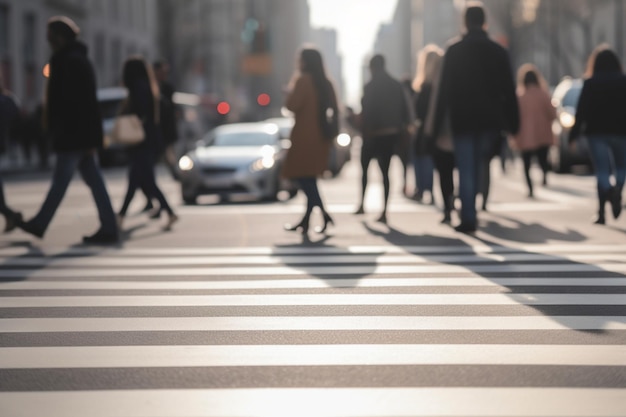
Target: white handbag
[[128, 130]]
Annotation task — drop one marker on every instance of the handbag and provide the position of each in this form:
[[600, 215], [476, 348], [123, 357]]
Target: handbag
[[128, 130]]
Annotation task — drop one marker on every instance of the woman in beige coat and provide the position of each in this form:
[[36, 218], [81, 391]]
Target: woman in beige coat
[[313, 101], [536, 116]]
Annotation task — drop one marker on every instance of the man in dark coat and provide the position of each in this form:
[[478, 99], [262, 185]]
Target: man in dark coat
[[75, 126], [384, 118], [478, 92]]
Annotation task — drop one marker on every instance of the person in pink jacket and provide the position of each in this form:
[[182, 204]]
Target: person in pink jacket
[[536, 116]]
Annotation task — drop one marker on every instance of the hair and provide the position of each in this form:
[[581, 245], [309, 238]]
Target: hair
[[475, 15], [64, 27], [136, 69], [313, 64], [429, 61], [592, 59], [607, 61], [528, 75], [377, 63]]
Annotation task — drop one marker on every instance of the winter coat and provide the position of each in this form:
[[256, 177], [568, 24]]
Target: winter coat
[[309, 152], [536, 116], [72, 110], [601, 107], [385, 107], [477, 87]]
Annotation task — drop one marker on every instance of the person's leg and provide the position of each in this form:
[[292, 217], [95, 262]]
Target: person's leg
[[12, 218], [90, 171], [466, 157], [599, 150], [133, 184], [384, 154], [444, 163], [366, 157], [542, 156], [487, 142], [428, 166], [526, 158], [66, 163], [306, 187], [618, 149]]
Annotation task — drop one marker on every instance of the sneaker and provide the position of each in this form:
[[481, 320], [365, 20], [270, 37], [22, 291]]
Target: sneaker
[[12, 220], [29, 227], [102, 238]]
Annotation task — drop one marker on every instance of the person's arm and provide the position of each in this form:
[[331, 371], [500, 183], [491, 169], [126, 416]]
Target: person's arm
[[443, 95], [582, 111], [511, 105]]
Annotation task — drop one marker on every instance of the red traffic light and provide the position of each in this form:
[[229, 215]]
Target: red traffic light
[[223, 108], [263, 99]]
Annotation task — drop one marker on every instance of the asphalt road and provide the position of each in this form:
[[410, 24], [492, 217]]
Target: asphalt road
[[230, 315]]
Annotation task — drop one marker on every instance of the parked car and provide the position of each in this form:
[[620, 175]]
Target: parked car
[[236, 159], [340, 153], [565, 99]]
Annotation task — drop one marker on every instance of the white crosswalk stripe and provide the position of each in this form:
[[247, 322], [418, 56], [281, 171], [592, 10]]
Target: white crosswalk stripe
[[535, 330]]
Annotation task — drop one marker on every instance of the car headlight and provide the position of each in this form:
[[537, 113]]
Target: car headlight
[[344, 140], [567, 120], [185, 163], [264, 163]]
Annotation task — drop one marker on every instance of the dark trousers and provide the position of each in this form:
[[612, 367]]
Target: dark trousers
[[444, 163], [542, 158], [141, 175], [87, 165], [380, 148], [309, 187], [4, 209]]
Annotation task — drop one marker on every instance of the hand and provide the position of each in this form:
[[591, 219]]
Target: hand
[[573, 146]]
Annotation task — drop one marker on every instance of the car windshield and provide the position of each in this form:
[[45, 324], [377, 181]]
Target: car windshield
[[241, 139], [570, 99]]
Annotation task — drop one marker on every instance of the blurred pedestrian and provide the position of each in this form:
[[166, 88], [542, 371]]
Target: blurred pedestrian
[[143, 101], [75, 126], [168, 124], [536, 117], [9, 114], [478, 91], [440, 147], [312, 99], [600, 117], [385, 117], [428, 67], [405, 144]]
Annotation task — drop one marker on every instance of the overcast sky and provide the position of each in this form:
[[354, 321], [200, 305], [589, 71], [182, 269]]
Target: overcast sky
[[357, 22]]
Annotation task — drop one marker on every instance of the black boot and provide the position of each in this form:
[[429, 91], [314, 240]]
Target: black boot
[[616, 201], [602, 199]]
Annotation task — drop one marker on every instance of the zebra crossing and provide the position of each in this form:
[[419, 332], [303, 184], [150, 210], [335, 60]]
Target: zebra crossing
[[534, 330]]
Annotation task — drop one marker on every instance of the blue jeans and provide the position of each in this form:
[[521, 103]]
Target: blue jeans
[[423, 167], [87, 165], [471, 151], [608, 153]]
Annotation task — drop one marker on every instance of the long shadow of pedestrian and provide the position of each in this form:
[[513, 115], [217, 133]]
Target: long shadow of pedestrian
[[532, 232], [339, 267], [532, 280]]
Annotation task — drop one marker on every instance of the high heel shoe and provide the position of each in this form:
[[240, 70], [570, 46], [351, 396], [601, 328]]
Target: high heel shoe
[[327, 220], [303, 226]]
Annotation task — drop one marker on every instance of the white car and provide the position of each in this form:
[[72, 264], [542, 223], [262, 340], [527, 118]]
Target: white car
[[236, 159]]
